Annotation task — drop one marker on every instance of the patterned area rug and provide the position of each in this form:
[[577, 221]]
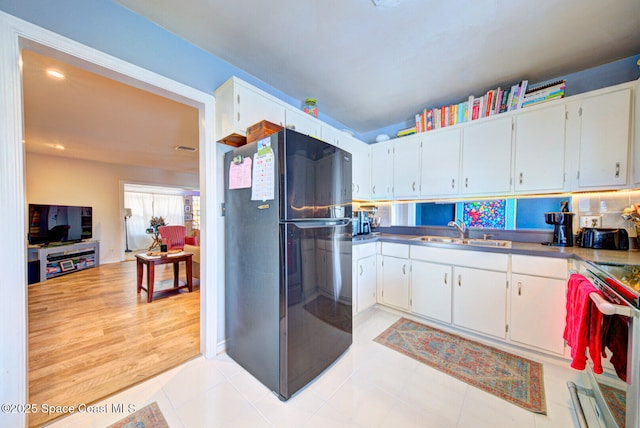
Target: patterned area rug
[[148, 417], [510, 377], [617, 401], [335, 313]]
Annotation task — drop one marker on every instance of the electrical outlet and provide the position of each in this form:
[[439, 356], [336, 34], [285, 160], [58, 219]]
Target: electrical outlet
[[590, 221]]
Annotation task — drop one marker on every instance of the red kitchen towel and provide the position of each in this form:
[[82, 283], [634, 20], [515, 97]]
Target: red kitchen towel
[[583, 329], [616, 331]]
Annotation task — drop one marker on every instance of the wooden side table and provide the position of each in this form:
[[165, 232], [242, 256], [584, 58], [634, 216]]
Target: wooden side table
[[151, 261]]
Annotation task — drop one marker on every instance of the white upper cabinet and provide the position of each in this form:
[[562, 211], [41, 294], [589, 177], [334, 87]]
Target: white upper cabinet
[[240, 105], [440, 173], [601, 125], [382, 170], [406, 167], [361, 166], [540, 150], [361, 160], [302, 122], [486, 157]]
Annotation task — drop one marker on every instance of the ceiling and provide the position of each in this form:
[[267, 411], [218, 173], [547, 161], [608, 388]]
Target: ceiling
[[371, 67], [99, 119]]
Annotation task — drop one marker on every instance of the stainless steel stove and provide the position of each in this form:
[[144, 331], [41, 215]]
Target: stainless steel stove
[[620, 284]]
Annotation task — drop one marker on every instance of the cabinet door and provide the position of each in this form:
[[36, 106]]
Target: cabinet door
[[539, 150], [302, 122], [382, 170], [486, 157], [366, 273], [252, 107], [395, 282], [440, 172], [361, 166], [431, 290], [538, 307], [406, 167], [604, 139], [480, 300]]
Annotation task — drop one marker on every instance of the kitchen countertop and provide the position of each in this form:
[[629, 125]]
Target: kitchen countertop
[[631, 257]]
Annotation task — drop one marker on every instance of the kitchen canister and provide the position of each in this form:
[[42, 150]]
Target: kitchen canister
[[311, 107]]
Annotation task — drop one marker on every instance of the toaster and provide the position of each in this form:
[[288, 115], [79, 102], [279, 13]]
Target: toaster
[[608, 239]]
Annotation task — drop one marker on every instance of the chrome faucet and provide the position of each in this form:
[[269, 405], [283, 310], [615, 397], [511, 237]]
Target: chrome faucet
[[459, 224]]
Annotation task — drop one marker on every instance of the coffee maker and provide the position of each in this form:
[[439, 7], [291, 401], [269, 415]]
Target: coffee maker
[[360, 223], [563, 226]]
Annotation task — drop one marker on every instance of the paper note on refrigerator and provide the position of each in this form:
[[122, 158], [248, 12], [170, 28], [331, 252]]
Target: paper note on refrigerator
[[263, 188], [240, 174]]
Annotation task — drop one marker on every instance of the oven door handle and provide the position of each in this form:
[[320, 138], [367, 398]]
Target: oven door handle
[[608, 308]]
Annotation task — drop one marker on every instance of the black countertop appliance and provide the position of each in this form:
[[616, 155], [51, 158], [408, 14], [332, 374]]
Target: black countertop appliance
[[607, 239], [563, 228]]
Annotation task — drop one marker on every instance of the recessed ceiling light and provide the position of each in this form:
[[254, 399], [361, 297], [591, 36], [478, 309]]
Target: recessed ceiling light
[[55, 73], [58, 146]]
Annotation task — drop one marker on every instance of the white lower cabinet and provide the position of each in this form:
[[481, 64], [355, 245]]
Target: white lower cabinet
[[366, 272], [364, 276], [538, 302], [474, 290], [395, 275], [480, 300], [431, 290]]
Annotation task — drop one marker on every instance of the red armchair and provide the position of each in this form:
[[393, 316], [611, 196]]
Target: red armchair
[[175, 237]]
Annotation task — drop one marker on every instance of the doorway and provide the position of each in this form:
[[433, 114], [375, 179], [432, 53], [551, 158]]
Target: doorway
[[14, 36]]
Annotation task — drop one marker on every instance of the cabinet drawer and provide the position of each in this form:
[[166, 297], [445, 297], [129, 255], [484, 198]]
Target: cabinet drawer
[[366, 250], [475, 259], [395, 250], [539, 266]]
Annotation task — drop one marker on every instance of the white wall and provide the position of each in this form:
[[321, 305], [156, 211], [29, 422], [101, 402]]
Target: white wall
[[65, 181]]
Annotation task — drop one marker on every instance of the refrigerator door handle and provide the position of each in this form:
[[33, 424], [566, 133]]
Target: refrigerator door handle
[[320, 222]]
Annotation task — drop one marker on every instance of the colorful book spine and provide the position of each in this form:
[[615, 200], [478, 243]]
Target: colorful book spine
[[521, 92], [430, 120]]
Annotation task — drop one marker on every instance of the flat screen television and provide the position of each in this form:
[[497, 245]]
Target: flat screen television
[[59, 223]]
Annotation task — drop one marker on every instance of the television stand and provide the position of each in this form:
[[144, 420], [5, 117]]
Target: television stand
[[57, 260]]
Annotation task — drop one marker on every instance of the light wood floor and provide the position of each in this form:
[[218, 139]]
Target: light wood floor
[[91, 335]]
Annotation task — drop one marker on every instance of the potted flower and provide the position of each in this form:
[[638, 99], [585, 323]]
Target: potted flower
[[154, 224]]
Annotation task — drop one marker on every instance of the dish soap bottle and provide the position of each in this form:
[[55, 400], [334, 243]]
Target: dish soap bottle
[[310, 107]]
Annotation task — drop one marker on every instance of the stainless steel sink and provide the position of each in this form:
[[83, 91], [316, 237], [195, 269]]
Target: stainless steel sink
[[488, 243], [475, 242], [442, 239]]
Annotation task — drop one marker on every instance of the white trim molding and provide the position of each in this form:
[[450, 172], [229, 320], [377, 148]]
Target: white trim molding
[[14, 35]]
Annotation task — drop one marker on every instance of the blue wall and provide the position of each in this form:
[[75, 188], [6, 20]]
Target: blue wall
[[111, 28]]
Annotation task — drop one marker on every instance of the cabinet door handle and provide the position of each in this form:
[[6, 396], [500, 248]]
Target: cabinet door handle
[[360, 270], [238, 116], [404, 269], [453, 183], [519, 289], [373, 189], [617, 169], [445, 278], [238, 98], [459, 280], [466, 182], [413, 186], [520, 178], [358, 188]]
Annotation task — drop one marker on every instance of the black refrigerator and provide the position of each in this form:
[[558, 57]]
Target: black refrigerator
[[288, 293]]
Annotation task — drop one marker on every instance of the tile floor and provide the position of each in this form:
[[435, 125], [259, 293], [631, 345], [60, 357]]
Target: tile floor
[[369, 386]]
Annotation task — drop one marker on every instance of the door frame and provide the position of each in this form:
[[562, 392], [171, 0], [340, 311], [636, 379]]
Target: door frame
[[16, 34]]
